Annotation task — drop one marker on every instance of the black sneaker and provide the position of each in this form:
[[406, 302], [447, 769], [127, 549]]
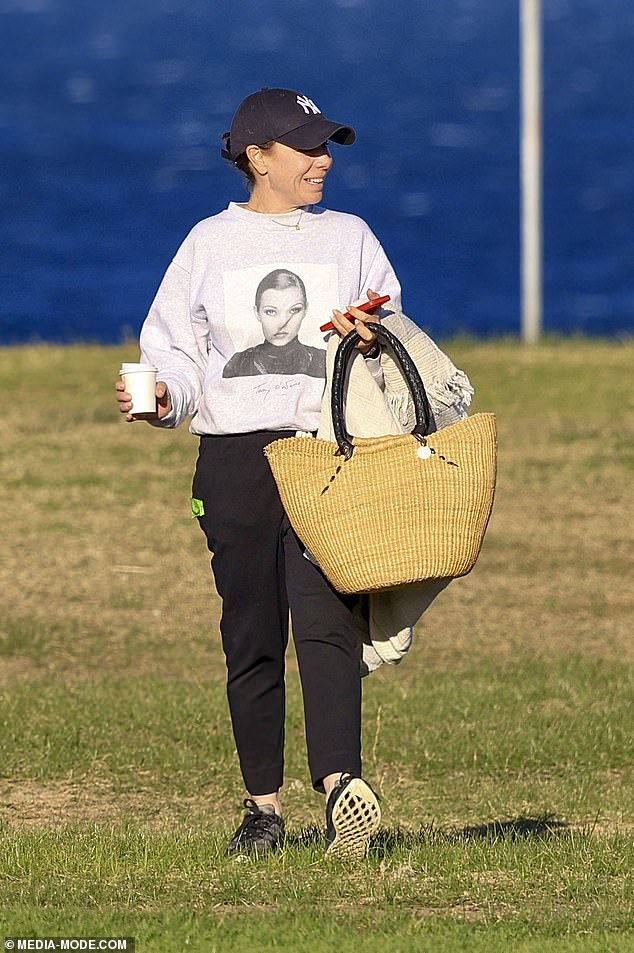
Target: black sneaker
[[353, 815], [261, 831]]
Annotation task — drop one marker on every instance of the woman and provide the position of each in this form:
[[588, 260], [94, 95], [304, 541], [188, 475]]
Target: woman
[[280, 307], [195, 328]]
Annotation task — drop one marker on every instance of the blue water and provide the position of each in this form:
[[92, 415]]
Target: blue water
[[110, 116]]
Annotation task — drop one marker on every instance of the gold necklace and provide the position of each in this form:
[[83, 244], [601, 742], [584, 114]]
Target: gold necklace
[[286, 225], [294, 225]]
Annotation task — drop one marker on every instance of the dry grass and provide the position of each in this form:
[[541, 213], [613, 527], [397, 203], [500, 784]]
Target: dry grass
[[104, 571]]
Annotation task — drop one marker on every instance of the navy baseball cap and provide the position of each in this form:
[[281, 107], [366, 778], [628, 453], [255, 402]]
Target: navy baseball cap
[[283, 115]]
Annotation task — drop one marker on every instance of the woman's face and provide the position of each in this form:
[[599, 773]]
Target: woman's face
[[281, 313], [295, 178]]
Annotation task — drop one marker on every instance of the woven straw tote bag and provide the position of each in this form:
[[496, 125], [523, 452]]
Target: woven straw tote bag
[[383, 512]]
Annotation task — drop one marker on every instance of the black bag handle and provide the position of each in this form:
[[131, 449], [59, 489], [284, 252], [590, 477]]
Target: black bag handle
[[408, 370]]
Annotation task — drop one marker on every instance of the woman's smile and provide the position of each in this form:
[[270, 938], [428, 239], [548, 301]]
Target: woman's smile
[[292, 178]]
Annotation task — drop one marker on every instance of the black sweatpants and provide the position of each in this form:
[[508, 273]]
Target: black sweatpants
[[260, 572]]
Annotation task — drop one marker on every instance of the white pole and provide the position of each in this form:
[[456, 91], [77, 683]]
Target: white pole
[[531, 169]]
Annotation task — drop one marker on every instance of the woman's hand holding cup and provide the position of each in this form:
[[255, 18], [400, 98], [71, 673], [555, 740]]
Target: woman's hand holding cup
[[163, 402]]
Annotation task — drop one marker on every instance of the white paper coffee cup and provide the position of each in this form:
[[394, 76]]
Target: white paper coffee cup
[[140, 383]]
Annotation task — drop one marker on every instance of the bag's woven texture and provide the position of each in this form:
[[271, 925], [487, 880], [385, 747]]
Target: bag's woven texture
[[393, 513]]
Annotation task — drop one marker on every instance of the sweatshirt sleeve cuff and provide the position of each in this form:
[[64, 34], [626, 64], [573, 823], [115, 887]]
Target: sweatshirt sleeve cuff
[[178, 412]]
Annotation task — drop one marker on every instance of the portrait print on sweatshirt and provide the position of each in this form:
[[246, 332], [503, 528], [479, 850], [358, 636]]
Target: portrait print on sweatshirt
[[273, 315]]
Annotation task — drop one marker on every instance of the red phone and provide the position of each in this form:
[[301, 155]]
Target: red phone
[[366, 306]]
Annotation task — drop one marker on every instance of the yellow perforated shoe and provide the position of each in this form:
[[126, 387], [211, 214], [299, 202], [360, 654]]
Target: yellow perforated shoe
[[353, 815]]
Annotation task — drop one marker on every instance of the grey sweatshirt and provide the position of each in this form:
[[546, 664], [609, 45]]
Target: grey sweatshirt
[[234, 327]]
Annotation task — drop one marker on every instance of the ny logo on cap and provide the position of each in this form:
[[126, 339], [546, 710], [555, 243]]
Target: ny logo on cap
[[307, 105]]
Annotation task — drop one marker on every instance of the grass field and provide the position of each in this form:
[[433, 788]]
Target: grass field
[[503, 747]]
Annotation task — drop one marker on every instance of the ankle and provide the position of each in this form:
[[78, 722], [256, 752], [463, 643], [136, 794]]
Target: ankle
[[330, 780], [271, 799]]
